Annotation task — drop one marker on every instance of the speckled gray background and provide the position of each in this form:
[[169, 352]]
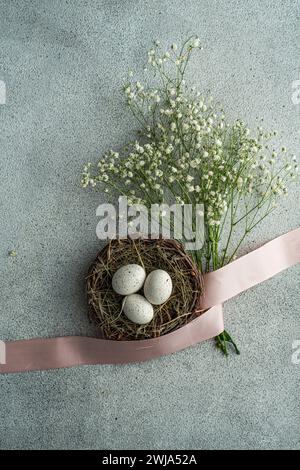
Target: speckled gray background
[[62, 62]]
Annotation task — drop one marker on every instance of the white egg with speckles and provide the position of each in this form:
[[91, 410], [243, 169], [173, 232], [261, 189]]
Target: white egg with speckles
[[158, 287], [128, 279], [137, 309]]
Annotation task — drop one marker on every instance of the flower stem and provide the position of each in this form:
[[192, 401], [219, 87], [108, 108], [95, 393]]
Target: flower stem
[[222, 340]]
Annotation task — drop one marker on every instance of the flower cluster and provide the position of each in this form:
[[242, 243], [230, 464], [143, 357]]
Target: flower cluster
[[188, 151]]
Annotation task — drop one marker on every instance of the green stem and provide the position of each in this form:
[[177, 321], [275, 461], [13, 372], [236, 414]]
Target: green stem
[[224, 338], [221, 343]]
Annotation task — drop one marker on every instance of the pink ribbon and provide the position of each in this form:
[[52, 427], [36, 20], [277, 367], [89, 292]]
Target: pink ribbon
[[220, 285]]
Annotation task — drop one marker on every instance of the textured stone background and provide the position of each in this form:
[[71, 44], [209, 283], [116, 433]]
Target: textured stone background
[[62, 62]]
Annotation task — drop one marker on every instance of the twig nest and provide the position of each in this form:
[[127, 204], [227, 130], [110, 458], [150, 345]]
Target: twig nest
[[158, 287], [137, 309], [105, 296], [128, 279]]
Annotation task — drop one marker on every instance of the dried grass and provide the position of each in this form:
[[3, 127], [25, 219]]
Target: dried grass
[[105, 305]]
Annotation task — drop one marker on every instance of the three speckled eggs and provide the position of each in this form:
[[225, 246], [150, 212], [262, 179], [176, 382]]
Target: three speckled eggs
[[129, 279]]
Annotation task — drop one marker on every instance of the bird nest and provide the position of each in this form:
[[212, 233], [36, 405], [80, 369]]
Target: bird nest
[[105, 306]]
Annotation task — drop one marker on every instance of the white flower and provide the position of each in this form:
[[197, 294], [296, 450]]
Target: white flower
[[182, 145], [196, 42]]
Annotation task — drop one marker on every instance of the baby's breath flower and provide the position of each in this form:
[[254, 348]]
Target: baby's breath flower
[[196, 42], [187, 147]]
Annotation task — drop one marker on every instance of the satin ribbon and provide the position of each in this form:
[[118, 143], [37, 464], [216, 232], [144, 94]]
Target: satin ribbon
[[220, 285]]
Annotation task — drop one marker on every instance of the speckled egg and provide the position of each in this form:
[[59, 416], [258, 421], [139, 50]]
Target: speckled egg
[[128, 279], [158, 287], [137, 309]]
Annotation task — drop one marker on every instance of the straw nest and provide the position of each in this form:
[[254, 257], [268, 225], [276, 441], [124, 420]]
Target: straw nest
[[105, 305]]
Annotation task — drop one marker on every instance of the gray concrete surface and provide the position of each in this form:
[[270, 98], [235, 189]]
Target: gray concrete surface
[[62, 62]]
